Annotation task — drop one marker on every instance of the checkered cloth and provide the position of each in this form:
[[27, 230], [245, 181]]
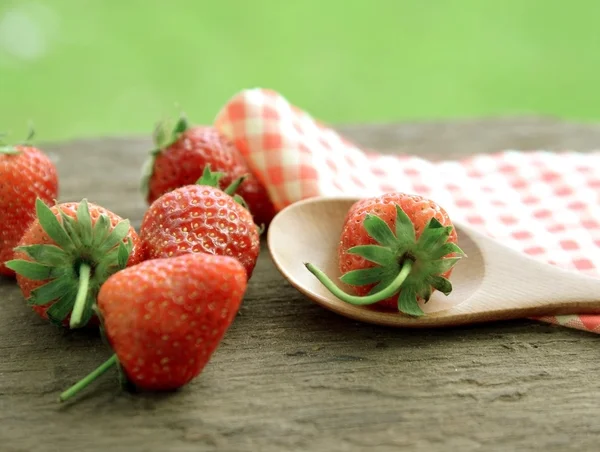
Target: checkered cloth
[[544, 204]]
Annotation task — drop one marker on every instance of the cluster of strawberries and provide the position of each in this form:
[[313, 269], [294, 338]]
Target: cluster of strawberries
[[164, 297]]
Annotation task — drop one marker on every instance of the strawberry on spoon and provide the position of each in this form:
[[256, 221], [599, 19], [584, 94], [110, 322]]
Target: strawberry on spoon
[[394, 250]]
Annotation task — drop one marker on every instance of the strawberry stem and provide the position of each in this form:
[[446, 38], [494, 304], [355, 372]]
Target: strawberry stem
[[82, 295], [84, 382], [386, 292]]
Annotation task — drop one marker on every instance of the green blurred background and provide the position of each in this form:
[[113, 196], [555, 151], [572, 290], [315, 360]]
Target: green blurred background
[[81, 68]]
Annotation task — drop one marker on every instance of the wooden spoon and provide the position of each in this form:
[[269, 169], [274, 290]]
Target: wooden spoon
[[492, 283]]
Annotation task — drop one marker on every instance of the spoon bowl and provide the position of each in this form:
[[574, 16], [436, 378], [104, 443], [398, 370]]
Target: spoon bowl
[[492, 283]]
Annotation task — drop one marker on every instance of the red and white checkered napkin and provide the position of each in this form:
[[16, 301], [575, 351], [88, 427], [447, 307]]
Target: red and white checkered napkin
[[540, 203]]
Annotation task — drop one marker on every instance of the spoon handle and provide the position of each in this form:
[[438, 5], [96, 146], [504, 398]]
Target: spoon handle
[[516, 285]]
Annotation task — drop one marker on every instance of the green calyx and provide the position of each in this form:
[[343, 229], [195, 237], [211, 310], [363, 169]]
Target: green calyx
[[212, 179], [7, 149], [165, 134], [413, 268], [84, 257]]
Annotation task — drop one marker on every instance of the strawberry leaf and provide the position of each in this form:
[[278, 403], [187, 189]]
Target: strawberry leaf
[[407, 302], [442, 265], [426, 292], [180, 126], [209, 178], [386, 280], [232, 188], [440, 283], [123, 254], [168, 132], [363, 276], [374, 253], [433, 236], [405, 230], [84, 222], [72, 229], [52, 226], [30, 135], [9, 150], [165, 134], [118, 234], [100, 230], [446, 249], [30, 270], [45, 254], [59, 311], [240, 201], [49, 292], [380, 231]]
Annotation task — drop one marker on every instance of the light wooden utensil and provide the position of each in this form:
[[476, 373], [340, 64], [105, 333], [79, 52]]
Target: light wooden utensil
[[492, 283]]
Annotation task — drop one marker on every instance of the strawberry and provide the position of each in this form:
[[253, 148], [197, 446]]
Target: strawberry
[[395, 269], [67, 253], [164, 318], [201, 218], [26, 174], [181, 154]]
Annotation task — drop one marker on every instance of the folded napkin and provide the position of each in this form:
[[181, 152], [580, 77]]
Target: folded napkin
[[544, 204]]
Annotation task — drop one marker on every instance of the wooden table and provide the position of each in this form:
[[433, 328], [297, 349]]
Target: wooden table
[[290, 375]]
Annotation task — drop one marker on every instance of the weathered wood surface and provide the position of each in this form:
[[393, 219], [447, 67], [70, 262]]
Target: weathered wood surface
[[290, 375]]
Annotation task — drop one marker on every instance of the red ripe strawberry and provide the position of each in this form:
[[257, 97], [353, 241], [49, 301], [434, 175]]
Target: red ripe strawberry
[[201, 219], [394, 250], [66, 255], [26, 174], [182, 152], [164, 318]]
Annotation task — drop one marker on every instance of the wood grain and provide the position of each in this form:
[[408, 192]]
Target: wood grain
[[291, 375]]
